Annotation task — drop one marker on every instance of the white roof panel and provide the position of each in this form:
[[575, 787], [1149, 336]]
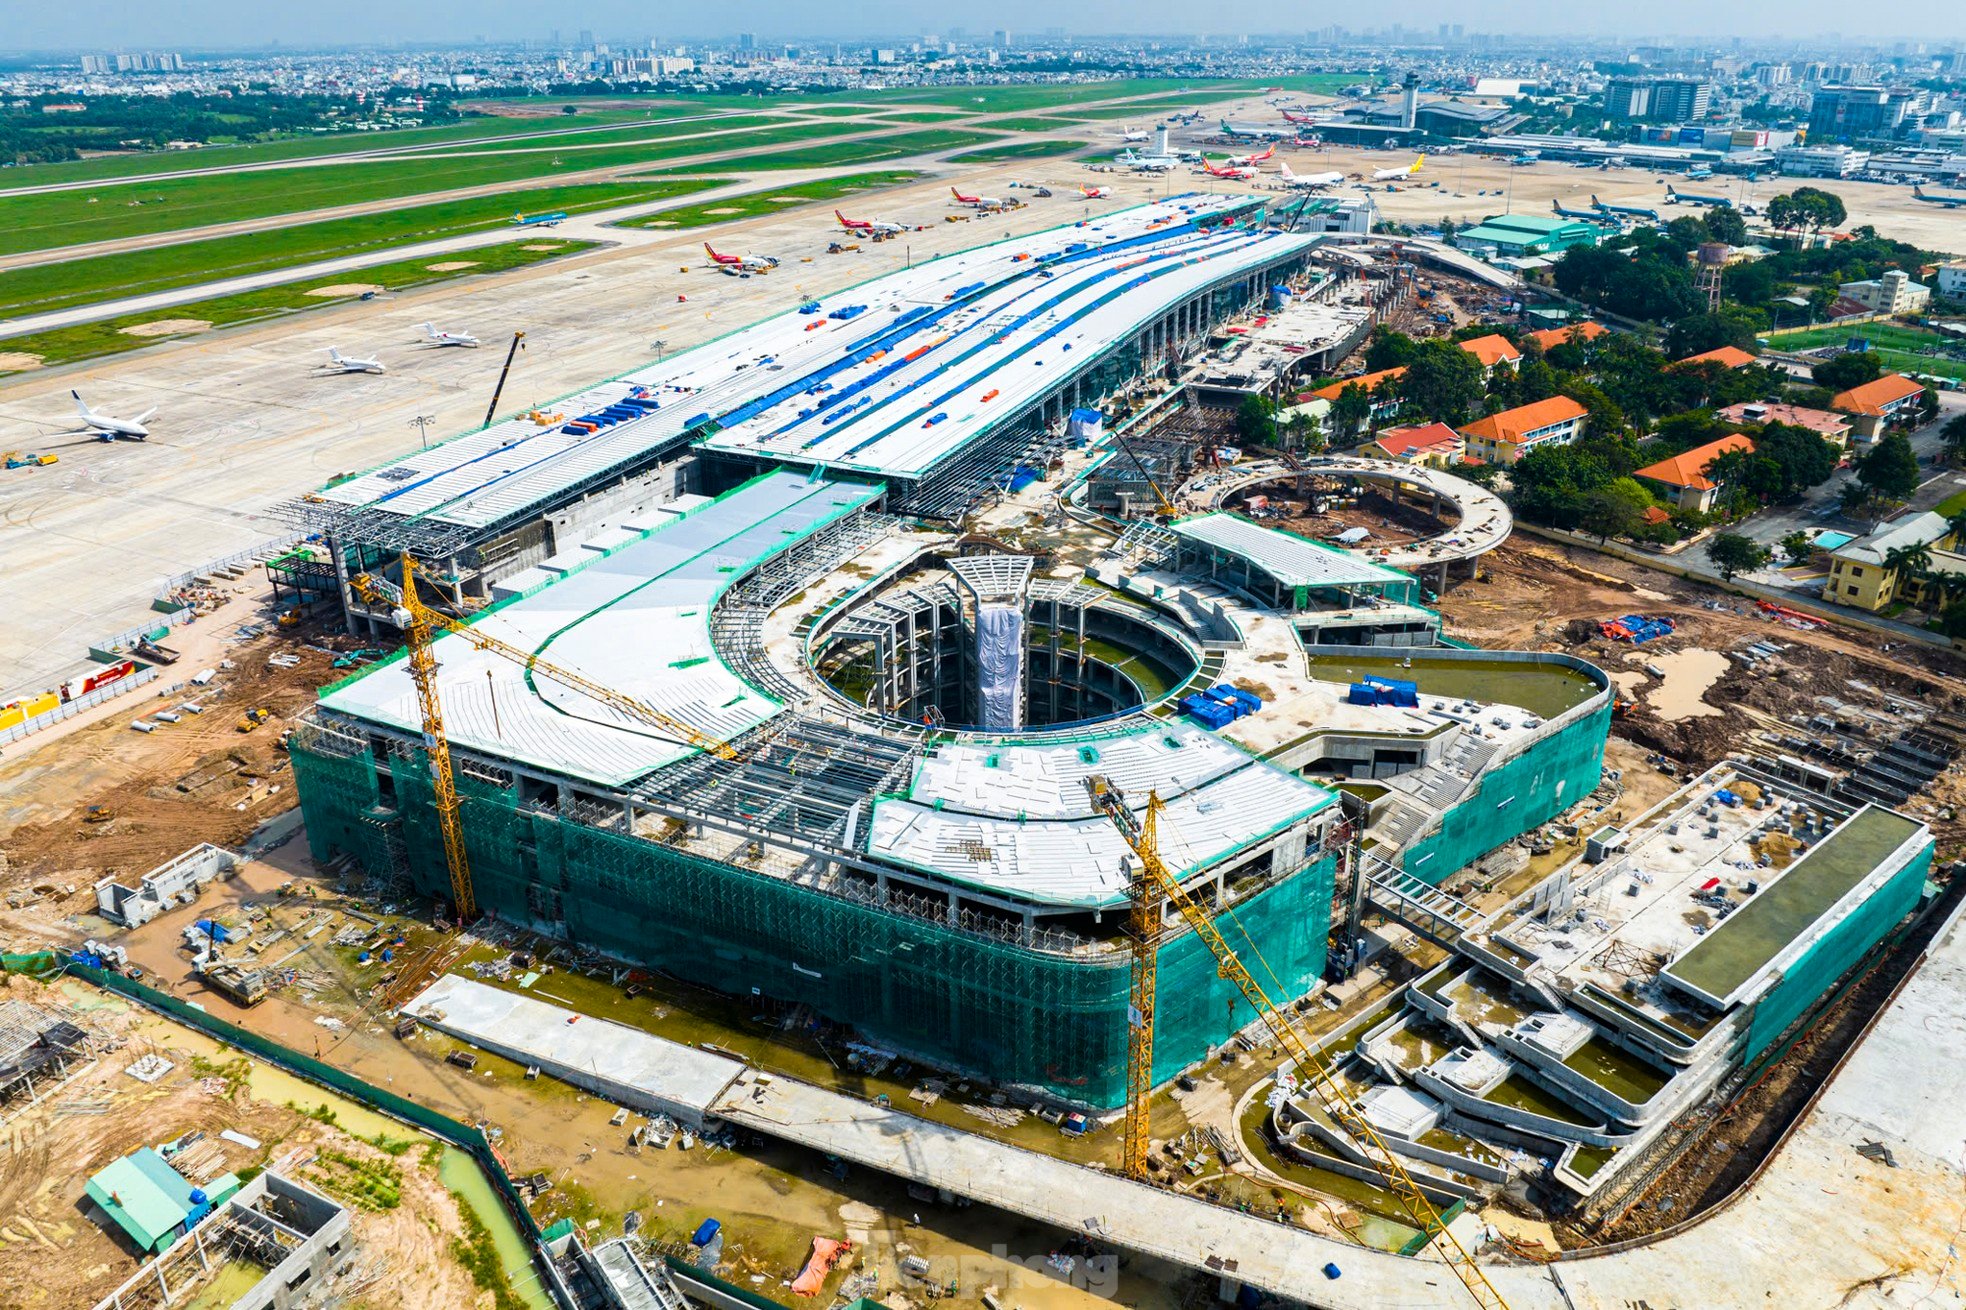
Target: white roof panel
[[636, 621], [1292, 560]]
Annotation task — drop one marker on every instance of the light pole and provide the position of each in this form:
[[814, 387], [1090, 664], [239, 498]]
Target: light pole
[[659, 347], [422, 424]]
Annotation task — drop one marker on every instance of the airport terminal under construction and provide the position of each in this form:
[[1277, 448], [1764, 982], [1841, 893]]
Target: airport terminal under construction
[[798, 666]]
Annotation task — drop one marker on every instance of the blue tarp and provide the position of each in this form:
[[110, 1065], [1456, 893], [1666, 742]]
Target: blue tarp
[[708, 1229]]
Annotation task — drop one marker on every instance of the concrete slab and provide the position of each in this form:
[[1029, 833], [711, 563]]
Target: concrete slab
[[624, 1064]]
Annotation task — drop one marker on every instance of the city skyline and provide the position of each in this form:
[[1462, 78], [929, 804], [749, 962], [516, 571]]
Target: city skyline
[[217, 24]]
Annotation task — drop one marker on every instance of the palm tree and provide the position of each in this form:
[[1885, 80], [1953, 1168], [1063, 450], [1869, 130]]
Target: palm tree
[[1909, 565]]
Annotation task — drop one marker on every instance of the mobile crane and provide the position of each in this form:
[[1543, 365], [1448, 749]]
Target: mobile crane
[[1153, 883], [420, 624]]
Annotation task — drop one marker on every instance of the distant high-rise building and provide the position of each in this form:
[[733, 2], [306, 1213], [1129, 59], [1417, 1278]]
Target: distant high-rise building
[[1001, 38], [1840, 111], [747, 40], [586, 37], [1667, 99], [95, 63]]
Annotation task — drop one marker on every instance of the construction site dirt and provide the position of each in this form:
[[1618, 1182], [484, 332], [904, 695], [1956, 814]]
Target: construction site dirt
[[58, 1249], [1535, 595], [198, 779]]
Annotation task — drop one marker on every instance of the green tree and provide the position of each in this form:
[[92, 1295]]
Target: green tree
[[1617, 509], [1789, 459], [1724, 223], [1697, 333], [1953, 435], [1388, 349], [1535, 381], [1256, 421], [1890, 470], [1852, 368], [1733, 553], [1442, 382], [1798, 546], [1350, 410], [1607, 417]]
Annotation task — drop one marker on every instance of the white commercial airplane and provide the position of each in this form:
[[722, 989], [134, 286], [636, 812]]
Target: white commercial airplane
[[1250, 161], [979, 202], [1308, 181], [872, 227], [1095, 192], [741, 263], [110, 429], [340, 363], [436, 338], [1394, 174], [1145, 163], [1133, 134]]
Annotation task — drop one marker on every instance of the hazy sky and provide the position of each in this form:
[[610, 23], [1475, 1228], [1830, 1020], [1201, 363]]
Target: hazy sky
[[109, 24]]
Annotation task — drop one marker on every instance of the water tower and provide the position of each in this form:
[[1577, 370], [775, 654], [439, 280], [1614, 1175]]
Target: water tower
[[1708, 263]]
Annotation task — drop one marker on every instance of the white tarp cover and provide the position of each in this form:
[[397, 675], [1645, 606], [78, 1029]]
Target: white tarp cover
[[1000, 666]]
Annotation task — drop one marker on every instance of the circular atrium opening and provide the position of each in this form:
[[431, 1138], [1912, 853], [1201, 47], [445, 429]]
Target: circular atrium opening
[[987, 648]]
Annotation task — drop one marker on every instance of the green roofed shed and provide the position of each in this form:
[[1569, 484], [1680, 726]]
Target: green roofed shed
[[147, 1198]]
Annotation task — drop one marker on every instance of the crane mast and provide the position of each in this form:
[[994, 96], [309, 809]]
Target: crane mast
[[1143, 835], [450, 817], [420, 624]]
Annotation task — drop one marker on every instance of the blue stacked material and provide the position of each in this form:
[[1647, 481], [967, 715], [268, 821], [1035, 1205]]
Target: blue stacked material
[[704, 1232], [845, 312], [810, 307], [1207, 711], [1022, 476], [1726, 797], [1385, 691], [1243, 702], [1637, 628]]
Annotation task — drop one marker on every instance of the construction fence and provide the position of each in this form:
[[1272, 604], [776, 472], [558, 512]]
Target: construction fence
[[461, 1135], [1049, 1016]]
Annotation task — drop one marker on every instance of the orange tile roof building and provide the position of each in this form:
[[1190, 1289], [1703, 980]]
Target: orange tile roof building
[[1385, 399], [1493, 350], [1505, 437], [1727, 356], [1582, 333], [1874, 404], [1684, 476], [1433, 444]]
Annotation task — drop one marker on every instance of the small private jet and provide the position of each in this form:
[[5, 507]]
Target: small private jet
[[340, 363], [108, 428]]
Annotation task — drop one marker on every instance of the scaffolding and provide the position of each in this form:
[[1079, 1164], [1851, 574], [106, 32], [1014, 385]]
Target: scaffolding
[[932, 970]]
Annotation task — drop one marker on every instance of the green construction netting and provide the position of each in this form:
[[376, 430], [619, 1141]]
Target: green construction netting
[[1547, 778], [1812, 976], [958, 999]]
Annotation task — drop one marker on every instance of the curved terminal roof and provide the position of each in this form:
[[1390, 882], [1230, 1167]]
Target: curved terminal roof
[[636, 620], [1017, 817], [855, 381], [1292, 560]]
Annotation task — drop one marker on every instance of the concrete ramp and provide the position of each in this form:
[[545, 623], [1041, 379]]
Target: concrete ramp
[[623, 1064]]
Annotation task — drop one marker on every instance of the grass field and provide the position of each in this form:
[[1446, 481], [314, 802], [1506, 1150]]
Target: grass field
[[1902, 349], [109, 337], [710, 130], [329, 143], [869, 152], [1017, 150], [1033, 124], [44, 222], [45, 287], [752, 204]]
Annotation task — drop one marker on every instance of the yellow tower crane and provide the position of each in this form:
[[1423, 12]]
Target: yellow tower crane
[[1143, 835], [420, 624]]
